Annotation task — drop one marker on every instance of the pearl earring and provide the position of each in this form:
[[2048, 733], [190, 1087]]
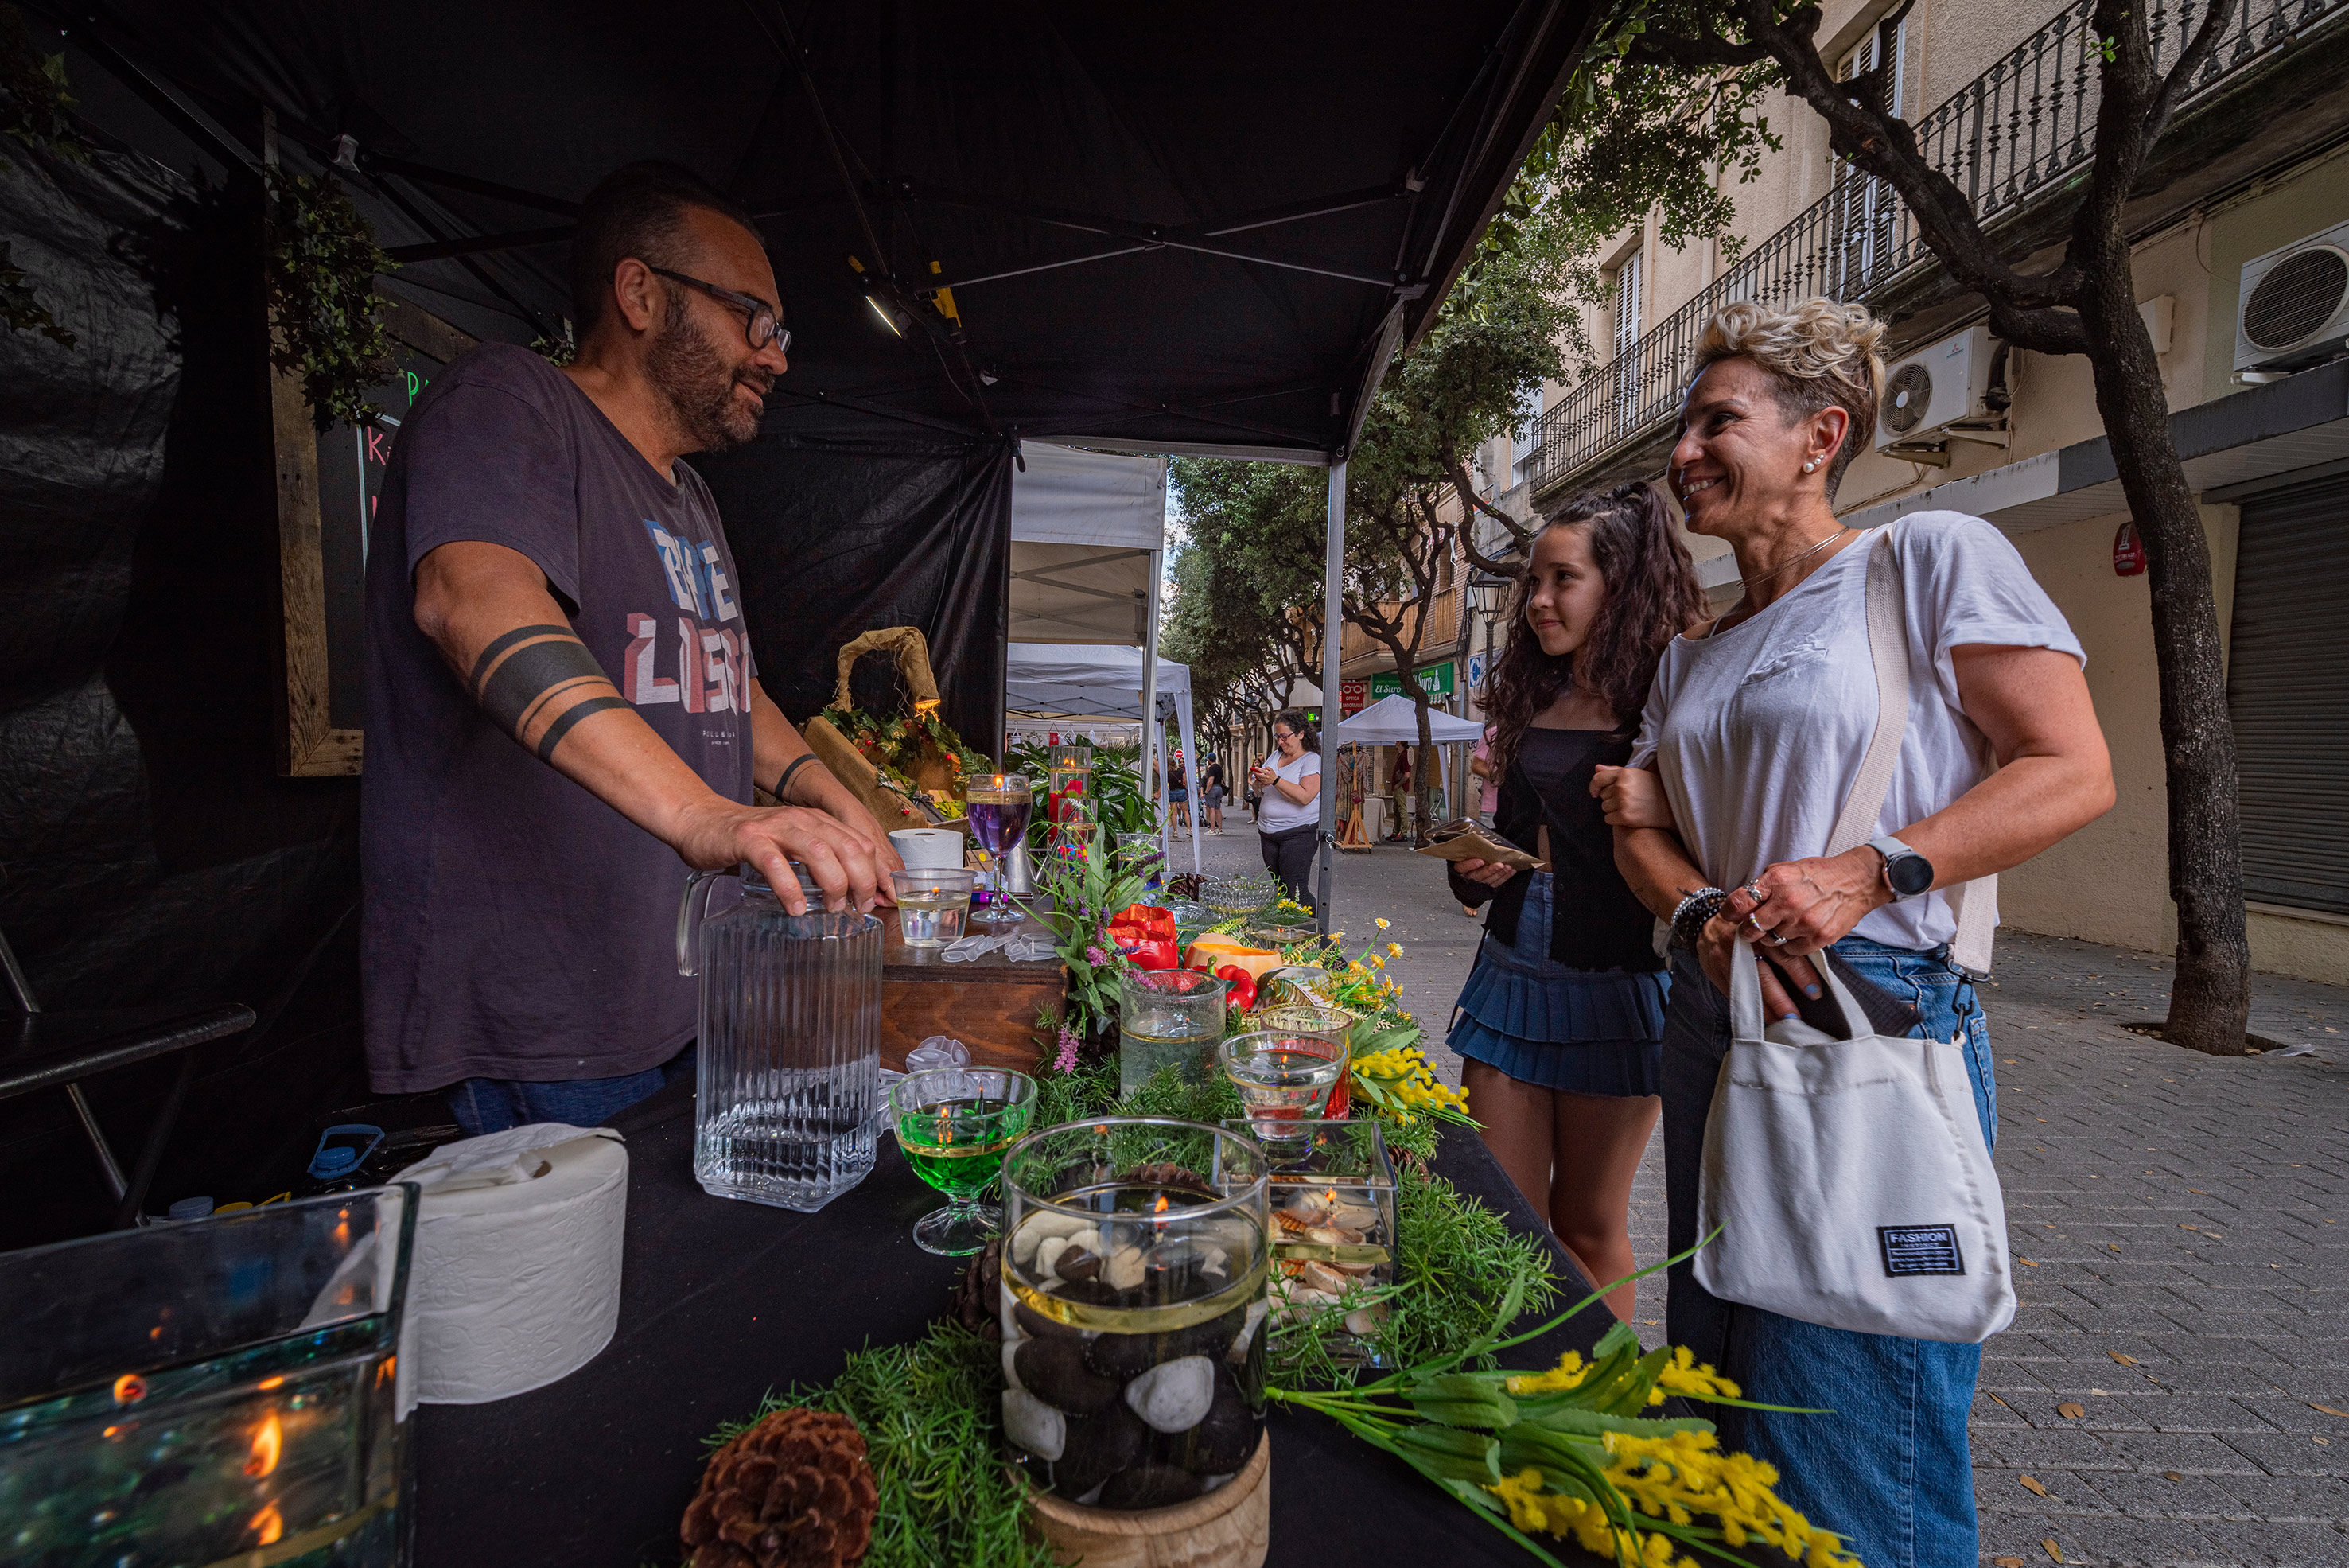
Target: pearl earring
[[1808, 466]]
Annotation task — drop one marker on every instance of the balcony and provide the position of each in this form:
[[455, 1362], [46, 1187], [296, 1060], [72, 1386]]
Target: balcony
[[2011, 139]]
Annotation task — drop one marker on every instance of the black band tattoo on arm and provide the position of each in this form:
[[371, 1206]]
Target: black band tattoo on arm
[[784, 782], [490, 654], [533, 674], [571, 715]]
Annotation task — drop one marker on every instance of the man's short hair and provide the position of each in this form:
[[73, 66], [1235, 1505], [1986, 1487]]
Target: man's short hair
[[638, 211]]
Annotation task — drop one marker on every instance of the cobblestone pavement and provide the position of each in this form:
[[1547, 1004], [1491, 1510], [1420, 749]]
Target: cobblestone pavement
[[2175, 1390]]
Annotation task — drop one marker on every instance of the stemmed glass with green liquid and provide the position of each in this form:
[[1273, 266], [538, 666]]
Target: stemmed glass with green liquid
[[954, 1123]]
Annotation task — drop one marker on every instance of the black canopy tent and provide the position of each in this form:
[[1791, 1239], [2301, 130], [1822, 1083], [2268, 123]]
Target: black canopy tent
[[1201, 229]]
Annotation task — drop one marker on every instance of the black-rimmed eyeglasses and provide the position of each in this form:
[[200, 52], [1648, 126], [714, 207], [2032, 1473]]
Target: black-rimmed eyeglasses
[[762, 324]]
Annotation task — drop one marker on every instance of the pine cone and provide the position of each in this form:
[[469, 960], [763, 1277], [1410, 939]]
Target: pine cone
[[976, 1297], [1166, 1173], [793, 1491]]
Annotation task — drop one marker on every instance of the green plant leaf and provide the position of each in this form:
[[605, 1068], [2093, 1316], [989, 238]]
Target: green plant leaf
[[1450, 1453]]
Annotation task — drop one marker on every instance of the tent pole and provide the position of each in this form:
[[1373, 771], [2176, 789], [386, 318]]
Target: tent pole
[[1332, 623], [1151, 734]]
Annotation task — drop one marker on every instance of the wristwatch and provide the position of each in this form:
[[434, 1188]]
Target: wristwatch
[[1906, 872]]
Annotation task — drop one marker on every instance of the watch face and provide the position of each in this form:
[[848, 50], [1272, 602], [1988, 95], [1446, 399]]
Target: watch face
[[1909, 874]]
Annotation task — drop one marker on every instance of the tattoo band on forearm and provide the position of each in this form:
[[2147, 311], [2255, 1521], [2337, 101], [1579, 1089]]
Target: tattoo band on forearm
[[784, 782], [536, 674]]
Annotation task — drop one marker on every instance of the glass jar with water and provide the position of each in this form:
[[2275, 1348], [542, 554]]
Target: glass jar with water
[[790, 1056], [1168, 1017]]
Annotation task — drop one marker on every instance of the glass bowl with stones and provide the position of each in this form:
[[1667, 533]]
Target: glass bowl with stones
[[1135, 1273]]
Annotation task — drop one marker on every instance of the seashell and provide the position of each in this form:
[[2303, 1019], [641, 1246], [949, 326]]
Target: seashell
[[1173, 1397], [1327, 1237], [1055, 1371], [1324, 1278], [1366, 1321], [1213, 1259], [1296, 1224], [1034, 1425], [1047, 1252], [1124, 1269], [1355, 1216]]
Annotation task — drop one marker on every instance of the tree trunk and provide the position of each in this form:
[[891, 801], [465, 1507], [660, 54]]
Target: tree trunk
[[2210, 998], [1419, 769]]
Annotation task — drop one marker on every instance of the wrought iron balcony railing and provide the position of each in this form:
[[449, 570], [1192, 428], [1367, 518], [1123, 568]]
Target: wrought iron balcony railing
[[2011, 133]]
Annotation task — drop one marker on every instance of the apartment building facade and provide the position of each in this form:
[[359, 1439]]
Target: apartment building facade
[[2242, 261]]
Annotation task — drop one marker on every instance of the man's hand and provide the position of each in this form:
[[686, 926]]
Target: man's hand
[[1491, 873], [715, 834], [1633, 798]]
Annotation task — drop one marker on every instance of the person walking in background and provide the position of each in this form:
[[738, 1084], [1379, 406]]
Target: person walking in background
[[1289, 817], [1755, 729], [1211, 790], [1561, 1022], [1399, 787], [1488, 791], [1178, 796]]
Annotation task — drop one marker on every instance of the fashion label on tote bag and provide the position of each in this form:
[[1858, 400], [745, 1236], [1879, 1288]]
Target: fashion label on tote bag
[[1849, 1178]]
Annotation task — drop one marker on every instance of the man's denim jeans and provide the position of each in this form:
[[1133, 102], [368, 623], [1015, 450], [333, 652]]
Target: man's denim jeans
[[1889, 1470], [494, 1104]]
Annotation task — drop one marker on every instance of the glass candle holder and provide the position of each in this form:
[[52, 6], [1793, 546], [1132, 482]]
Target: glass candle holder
[[221, 1391], [1000, 805], [931, 905], [1134, 1305], [1334, 1024], [1333, 1203], [953, 1125], [1168, 1017]]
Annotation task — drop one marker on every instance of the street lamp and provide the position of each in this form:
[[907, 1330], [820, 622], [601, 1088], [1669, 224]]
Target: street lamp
[[1487, 593]]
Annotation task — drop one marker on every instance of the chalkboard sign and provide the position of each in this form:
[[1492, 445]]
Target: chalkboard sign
[[327, 484]]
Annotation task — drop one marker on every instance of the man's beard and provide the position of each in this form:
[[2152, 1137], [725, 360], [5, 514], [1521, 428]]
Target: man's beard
[[693, 376]]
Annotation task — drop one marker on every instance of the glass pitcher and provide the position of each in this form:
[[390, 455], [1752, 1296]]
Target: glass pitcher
[[789, 1055]]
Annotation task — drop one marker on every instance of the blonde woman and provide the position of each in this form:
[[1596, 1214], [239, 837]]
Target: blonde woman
[[1754, 729]]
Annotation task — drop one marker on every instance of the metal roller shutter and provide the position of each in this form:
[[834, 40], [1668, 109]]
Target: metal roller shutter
[[2288, 691]]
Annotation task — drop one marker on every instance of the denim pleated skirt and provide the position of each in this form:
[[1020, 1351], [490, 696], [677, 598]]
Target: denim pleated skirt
[[1590, 1031]]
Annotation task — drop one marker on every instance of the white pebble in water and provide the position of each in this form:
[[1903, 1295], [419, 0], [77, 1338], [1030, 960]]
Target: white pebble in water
[[1049, 1251], [1239, 1351], [1034, 1425], [1012, 1333], [1011, 1375], [1123, 1270], [1036, 1228], [1175, 1396]]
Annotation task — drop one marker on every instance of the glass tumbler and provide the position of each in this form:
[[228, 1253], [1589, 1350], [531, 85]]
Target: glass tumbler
[[1283, 1078], [1133, 1300], [790, 1054], [221, 1391], [1168, 1017], [931, 905], [1332, 1024]]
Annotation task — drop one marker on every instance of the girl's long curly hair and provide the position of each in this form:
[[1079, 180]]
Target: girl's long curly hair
[[1651, 597]]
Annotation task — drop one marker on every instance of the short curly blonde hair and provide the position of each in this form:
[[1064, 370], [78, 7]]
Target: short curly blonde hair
[[1819, 354]]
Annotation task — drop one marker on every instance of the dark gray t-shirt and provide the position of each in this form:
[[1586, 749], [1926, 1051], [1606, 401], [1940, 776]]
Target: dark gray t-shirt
[[514, 926]]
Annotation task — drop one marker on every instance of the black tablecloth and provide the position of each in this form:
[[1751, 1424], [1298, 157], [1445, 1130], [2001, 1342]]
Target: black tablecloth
[[723, 1301]]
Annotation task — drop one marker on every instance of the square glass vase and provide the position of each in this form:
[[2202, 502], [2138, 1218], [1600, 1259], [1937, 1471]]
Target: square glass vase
[[1331, 1203], [224, 1390]]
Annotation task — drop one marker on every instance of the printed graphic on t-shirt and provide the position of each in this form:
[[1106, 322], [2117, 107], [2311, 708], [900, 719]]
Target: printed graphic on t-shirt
[[693, 659]]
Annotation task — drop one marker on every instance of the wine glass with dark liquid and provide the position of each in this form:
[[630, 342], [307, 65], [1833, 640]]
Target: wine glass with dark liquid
[[953, 1125], [1000, 807]]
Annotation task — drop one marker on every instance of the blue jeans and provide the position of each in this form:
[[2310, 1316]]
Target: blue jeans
[[1889, 1470], [494, 1105]]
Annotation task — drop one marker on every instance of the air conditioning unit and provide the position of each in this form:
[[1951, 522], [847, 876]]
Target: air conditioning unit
[[2292, 309], [1941, 385]]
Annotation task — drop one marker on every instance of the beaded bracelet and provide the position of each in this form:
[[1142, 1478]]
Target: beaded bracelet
[[1690, 913]]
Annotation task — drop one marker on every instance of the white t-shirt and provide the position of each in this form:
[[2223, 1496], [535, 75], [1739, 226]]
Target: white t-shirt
[[1276, 812], [1758, 732]]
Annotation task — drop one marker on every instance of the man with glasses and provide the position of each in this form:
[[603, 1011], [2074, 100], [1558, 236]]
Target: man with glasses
[[564, 712]]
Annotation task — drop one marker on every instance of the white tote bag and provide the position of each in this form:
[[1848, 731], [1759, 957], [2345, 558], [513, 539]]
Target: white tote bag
[[1849, 1178]]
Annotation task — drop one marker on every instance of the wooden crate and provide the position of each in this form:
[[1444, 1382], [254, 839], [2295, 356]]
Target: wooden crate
[[989, 1006]]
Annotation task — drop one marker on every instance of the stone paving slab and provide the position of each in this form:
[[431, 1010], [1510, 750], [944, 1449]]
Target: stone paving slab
[[2190, 1213]]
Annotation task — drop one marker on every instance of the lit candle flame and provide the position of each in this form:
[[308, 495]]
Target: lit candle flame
[[268, 1442], [268, 1383], [268, 1525], [1159, 1207], [130, 1388], [383, 1374]]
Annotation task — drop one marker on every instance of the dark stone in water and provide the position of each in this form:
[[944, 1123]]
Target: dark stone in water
[[1036, 1326], [1124, 1355], [1222, 1442], [1076, 1265], [1098, 1446], [1094, 1292], [1054, 1370], [1150, 1486]]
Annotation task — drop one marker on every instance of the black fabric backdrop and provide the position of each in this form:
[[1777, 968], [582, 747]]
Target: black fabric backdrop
[[838, 538]]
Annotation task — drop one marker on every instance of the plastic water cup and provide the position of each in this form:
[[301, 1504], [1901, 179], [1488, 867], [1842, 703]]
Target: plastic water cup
[[931, 905]]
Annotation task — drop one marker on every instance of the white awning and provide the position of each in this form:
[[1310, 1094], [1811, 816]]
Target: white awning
[[1088, 680], [1392, 720]]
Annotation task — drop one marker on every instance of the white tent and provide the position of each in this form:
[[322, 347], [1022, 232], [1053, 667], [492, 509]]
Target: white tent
[[1086, 680], [1086, 529], [1393, 722]]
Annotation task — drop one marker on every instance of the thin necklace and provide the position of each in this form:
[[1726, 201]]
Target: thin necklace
[[1747, 583]]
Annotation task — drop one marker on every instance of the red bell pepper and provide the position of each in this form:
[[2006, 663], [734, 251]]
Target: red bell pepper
[[1242, 992], [1145, 934]]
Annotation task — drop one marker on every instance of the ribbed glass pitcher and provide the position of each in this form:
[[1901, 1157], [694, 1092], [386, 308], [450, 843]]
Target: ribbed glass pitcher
[[789, 1055]]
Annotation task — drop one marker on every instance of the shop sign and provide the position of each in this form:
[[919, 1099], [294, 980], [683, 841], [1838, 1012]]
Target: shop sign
[[2129, 551], [1354, 696], [1435, 679]]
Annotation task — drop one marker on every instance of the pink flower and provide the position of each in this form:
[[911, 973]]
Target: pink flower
[[1066, 1062], [1095, 956]]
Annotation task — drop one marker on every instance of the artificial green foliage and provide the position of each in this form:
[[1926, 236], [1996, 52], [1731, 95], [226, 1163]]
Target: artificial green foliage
[[893, 744], [19, 307], [326, 319], [931, 1416], [1083, 896], [35, 106], [1121, 804], [556, 350]]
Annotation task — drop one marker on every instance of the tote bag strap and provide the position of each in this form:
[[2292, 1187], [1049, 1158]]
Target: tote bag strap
[[1974, 904]]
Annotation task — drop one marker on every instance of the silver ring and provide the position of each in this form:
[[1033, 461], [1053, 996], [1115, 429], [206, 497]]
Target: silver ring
[[1776, 939], [1754, 890]]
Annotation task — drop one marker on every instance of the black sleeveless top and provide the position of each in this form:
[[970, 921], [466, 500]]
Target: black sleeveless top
[[1596, 922]]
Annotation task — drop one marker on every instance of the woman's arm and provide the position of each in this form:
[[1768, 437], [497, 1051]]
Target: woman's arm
[[2054, 777]]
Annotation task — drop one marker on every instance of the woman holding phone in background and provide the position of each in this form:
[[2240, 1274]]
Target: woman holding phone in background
[[1562, 1020], [1289, 817]]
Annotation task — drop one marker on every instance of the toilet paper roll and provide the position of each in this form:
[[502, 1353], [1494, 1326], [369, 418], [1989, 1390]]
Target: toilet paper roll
[[929, 849], [515, 1281]]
